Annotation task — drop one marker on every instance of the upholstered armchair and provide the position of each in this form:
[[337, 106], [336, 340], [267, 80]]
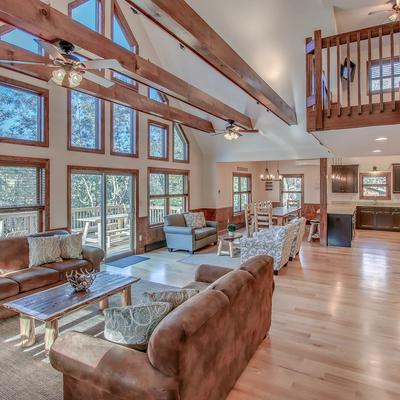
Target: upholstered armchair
[[300, 228], [275, 241], [179, 236]]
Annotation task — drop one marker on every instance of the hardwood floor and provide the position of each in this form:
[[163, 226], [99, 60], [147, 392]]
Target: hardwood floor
[[336, 322]]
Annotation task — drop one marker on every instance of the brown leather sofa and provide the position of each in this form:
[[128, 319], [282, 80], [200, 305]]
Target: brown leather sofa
[[17, 280], [196, 353]]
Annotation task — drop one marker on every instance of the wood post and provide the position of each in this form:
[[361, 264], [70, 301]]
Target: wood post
[[27, 330], [323, 228]]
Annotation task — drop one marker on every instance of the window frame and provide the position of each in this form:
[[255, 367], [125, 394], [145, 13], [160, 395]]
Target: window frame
[[166, 172], [6, 28], [43, 209], [186, 160], [166, 136], [388, 185], [376, 62], [163, 96], [281, 191], [135, 126], [44, 111], [101, 19], [240, 192], [101, 130]]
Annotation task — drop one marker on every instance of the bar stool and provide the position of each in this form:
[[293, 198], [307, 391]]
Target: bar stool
[[314, 228]]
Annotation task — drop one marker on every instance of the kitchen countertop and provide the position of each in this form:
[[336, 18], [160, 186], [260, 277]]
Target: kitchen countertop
[[344, 209]]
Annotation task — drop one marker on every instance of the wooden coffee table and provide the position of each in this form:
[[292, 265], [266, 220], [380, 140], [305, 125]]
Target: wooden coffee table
[[52, 304], [229, 241]]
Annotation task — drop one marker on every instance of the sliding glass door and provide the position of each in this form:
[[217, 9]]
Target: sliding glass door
[[103, 209]]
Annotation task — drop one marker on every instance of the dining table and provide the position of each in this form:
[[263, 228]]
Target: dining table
[[281, 214]]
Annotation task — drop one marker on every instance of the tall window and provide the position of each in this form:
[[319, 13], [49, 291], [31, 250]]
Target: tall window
[[156, 95], [88, 12], [181, 145], [158, 141], [23, 113], [123, 130], [23, 200], [241, 192], [292, 190], [390, 77], [19, 38], [168, 194], [375, 186], [86, 130]]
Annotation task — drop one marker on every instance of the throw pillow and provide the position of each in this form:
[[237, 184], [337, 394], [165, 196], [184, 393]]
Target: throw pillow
[[43, 250], [174, 297], [71, 246], [195, 220], [133, 325]]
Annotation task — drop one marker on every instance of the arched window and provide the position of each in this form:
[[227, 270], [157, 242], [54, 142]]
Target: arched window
[[156, 95], [89, 13], [180, 145]]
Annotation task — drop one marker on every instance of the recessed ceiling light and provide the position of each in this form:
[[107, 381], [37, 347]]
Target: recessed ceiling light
[[381, 139], [377, 151]]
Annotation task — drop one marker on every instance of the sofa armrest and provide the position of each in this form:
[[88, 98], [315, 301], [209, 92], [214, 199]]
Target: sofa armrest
[[210, 273], [115, 369], [212, 224], [179, 230], [93, 254]]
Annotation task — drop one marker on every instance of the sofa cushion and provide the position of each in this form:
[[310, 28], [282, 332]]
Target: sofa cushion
[[197, 285], [201, 233], [68, 266], [71, 246], [174, 297], [34, 278], [230, 284], [8, 288]]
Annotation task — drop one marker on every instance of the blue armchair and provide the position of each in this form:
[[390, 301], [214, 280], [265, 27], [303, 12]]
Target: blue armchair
[[182, 237]]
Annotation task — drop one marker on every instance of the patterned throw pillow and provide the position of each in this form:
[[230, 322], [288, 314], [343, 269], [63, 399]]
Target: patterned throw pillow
[[71, 246], [174, 297], [133, 325], [195, 220], [43, 250]]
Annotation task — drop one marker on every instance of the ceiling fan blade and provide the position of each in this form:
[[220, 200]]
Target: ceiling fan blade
[[98, 79], [50, 49], [379, 12], [248, 131], [102, 64]]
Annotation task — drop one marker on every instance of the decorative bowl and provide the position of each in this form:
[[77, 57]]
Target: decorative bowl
[[81, 280]]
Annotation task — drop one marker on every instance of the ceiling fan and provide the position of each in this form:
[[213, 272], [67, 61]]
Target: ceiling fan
[[394, 10], [233, 132], [70, 69]]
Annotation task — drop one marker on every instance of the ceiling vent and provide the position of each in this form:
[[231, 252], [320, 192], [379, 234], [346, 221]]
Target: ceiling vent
[[304, 163]]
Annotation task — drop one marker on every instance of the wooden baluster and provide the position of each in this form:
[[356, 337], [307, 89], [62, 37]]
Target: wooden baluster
[[381, 71], [319, 107], [392, 67], [359, 72], [328, 61], [339, 107], [369, 73], [348, 66]]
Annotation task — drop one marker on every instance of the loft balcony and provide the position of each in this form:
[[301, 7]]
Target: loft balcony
[[353, 79]]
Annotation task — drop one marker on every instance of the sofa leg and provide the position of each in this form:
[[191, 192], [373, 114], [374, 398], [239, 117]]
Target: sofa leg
[[276, 272]]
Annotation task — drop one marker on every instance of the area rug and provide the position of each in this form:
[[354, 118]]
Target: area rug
[[209, 256], [127, 261], [26, 374]]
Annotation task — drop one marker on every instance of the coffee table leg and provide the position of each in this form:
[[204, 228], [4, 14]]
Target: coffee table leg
[[103, 304], [220, 244], [126, 299], [231, 249], [50, 334], [27, 329]]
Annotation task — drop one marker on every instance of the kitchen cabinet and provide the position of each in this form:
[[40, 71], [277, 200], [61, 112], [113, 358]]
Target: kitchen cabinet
[[396, 178], [340, 230], [378, 218], [344, 178]]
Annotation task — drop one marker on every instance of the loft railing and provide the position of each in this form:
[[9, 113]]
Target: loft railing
[[353, 78]]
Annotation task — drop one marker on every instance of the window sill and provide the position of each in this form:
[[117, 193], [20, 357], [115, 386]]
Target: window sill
[[84, 150], [24, 142]]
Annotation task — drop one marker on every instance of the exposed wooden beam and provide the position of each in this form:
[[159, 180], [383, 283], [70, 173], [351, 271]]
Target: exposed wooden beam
[[180, 20], [323, 229], [116, 94], [50, 24]]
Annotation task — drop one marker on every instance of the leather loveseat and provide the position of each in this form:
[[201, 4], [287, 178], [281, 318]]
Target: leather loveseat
[[197, 352], [17, 280]]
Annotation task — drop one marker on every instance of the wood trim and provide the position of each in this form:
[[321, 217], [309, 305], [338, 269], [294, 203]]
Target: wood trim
[[163, 96], [100, 3], [388, 176], [101, 170], [171, 171], [135, 154], [43, 163], [101, 149], [44, 93], [187, 160], [163, 126], [281, 187], [117, 12]]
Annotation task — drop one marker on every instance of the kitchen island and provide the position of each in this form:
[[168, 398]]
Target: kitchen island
[[341, 224]]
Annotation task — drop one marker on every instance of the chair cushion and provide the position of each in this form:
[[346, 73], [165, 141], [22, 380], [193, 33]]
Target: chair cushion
[[68, 266], [174, 297], [8, 288], [34, 278], [195, 219], [197, 285], [201, 233]]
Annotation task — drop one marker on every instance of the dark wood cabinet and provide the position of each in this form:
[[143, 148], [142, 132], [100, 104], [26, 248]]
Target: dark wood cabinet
[[340, 230], [378, 218], [396, 178], [344, 178]]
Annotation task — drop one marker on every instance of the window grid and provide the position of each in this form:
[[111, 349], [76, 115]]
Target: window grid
[[375, 185], [294, 191], [162, 142], [242, 192], [390, 77]]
